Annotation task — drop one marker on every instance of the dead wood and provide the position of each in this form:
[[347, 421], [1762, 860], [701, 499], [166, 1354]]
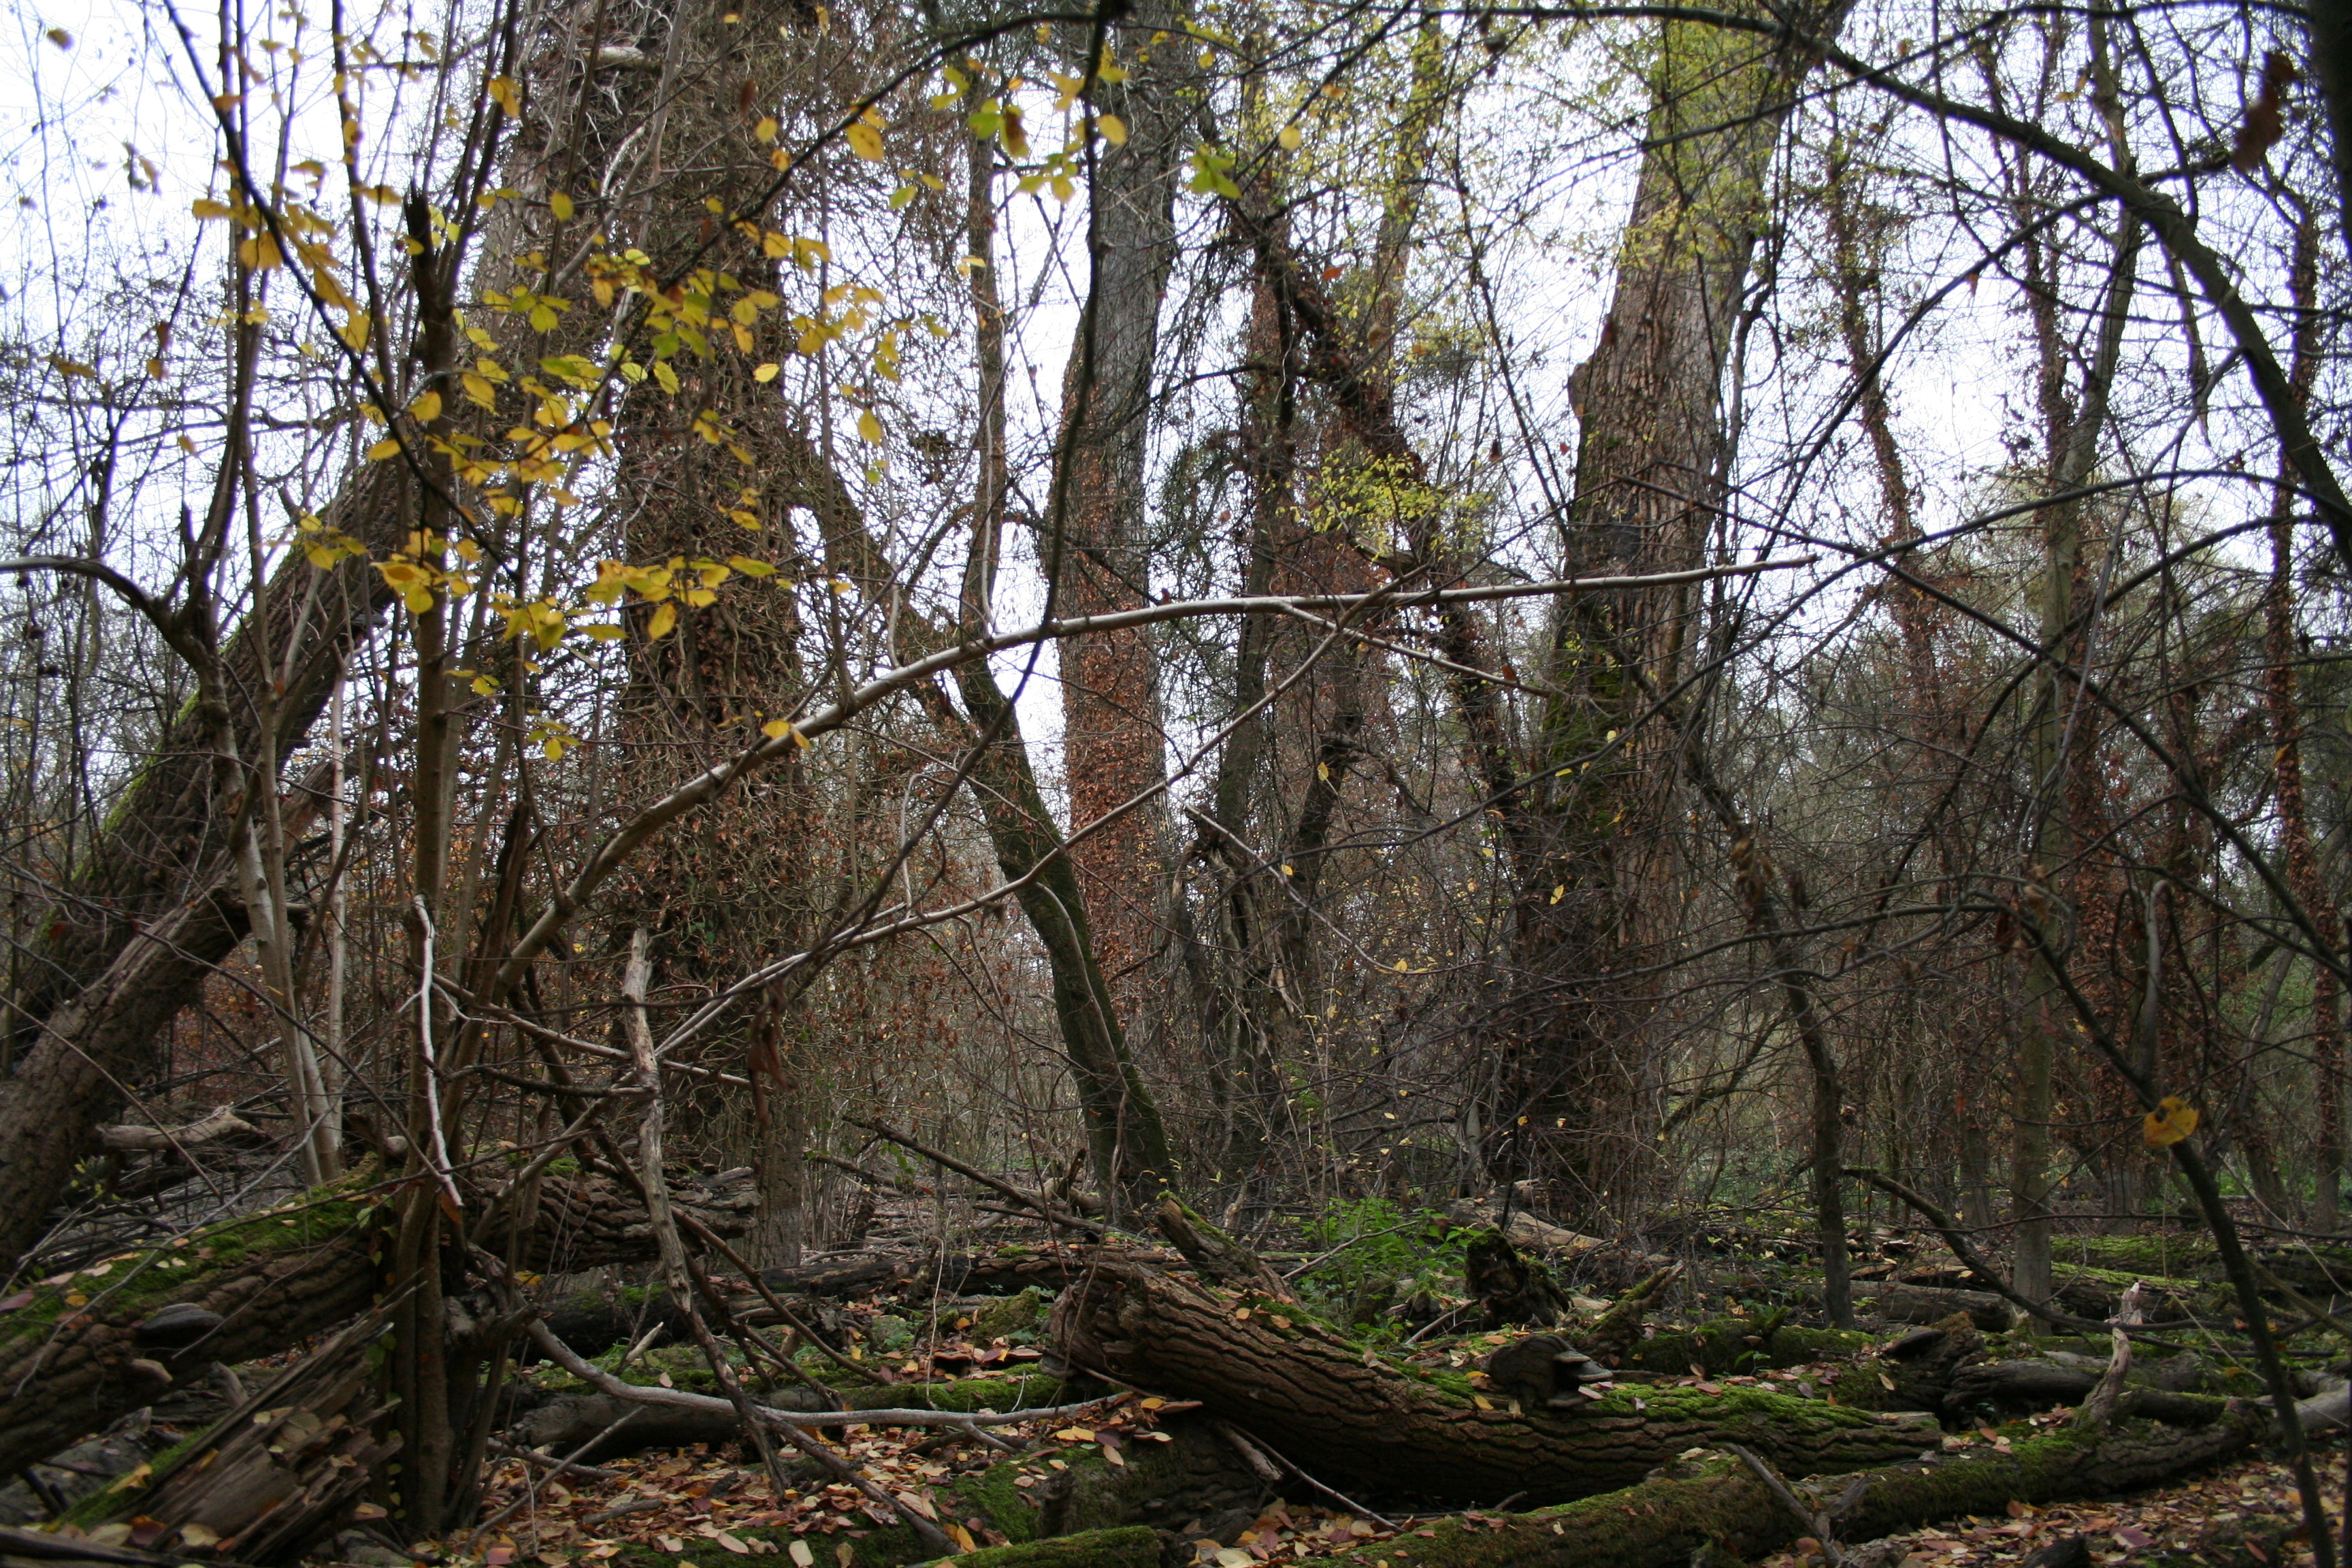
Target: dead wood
[[1615, 1333], [1928, 1304], [275, 1472], [1724, 1507], [1216, 1256], [1309, 1390], [1511, 1288], [79, 1349]]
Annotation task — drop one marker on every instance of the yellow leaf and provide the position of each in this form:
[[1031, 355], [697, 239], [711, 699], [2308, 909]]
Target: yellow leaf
[[865, 142], [869, 427], [60, 38], [560, 206], [507, 96], [205, 207], [766, 129], [768, 371], [2172, 1120], [426, 408], [1113, 127], [602, 631], [663, 619], [1560, 892], [1076, 1435], [751, 568], [387, 447], [1289, 138], [777, 729]]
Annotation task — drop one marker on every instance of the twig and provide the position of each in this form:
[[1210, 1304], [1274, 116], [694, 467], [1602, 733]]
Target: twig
[[1037, 1205], [529, 1494], [1252, 1441], [786, 1424], [1816, 1524]]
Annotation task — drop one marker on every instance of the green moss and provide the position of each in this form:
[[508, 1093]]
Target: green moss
[[124, 1292], [1022, 1314]]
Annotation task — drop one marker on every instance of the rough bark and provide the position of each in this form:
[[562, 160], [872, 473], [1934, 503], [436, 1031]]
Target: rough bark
[[73, 1356], [1114, 745], [1666, 1522], [1310, 1390], [278, 1469]]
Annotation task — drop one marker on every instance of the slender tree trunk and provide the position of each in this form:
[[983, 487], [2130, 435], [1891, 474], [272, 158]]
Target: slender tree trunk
[[2283, 705]]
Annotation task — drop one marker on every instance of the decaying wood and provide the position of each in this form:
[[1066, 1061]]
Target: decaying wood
[[1615, 1333], [80, 1350], [1218, 1258], [1511, 1288], [1722, 1506], [277, 1470], [223, 1125], [1928, 1304], [1310, 1390]]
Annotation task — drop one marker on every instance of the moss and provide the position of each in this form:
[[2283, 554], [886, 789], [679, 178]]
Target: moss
[[181, 1270], [1718, 1507], [1022, 1314]]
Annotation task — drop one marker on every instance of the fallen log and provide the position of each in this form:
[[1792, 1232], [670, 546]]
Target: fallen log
[[568, 1421], [1723, 1508], [1312, 1391], [271, 1476], [79, 1349], [1929, 1304], [1727, 1345]]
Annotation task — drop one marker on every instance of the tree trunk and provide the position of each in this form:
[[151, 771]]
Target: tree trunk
[[1310, 1391], [1113, 738], [1648, 482]]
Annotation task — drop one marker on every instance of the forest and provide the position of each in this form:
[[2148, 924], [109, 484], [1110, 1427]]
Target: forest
[[1351, 781]]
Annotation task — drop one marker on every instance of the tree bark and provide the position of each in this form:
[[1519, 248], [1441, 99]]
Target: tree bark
[[1310, 1390], [270, 1279], [1665, 1524], [1114, 745]]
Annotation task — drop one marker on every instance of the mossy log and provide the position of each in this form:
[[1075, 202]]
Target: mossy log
[[1319, 1397], [79, 1349], [2313, 1267], [1727, 1345], [1666, 1522]]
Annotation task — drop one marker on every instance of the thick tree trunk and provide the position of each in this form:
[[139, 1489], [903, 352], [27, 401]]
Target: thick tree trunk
[[1310, 1392], [1649, 483], [98, 1343]]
